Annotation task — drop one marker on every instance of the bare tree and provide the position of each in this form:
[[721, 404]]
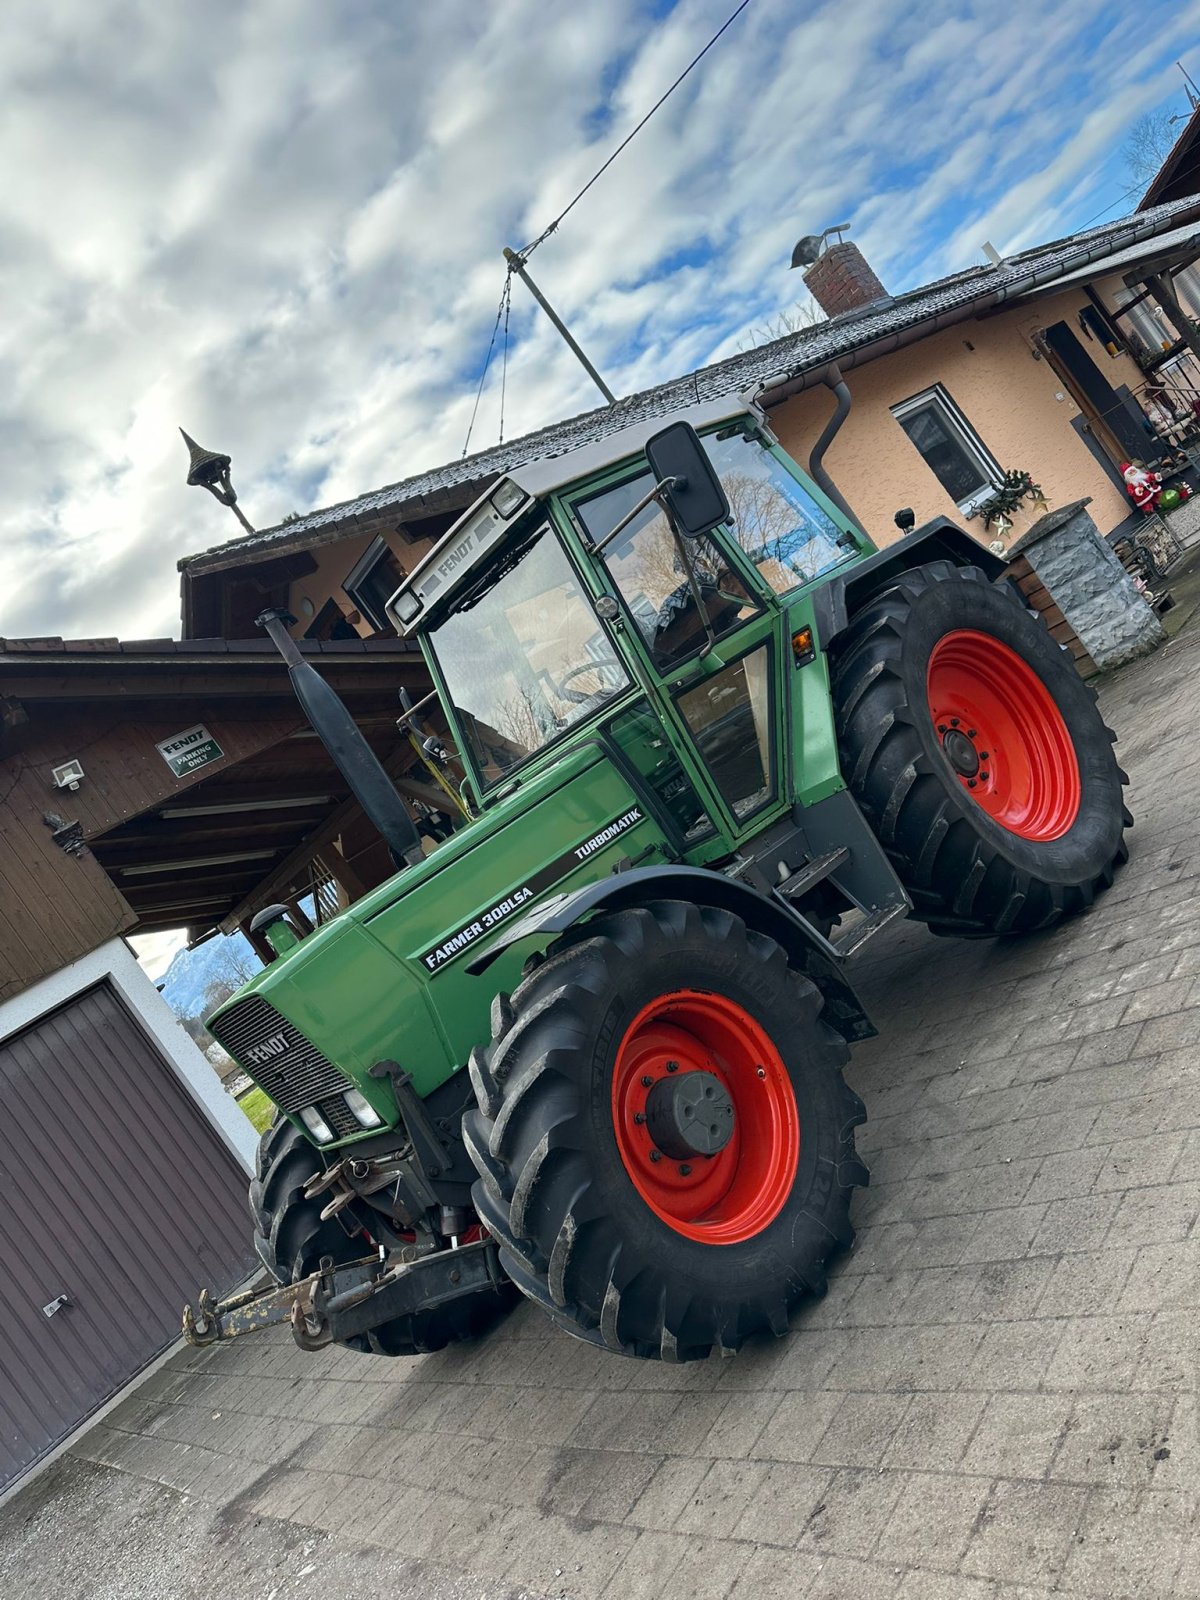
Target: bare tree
[[804, 314], [1147, 145]]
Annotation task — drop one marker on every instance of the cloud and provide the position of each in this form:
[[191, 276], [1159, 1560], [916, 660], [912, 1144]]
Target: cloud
[[279, 224]]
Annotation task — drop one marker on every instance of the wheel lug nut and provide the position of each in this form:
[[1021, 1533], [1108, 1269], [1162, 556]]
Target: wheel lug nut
[[639, 1117], [685, 1171], [647, 1081], [762, 1071], [954, 722], [983, 755], [941, 727], [970, 733], [656, 1155], [672, 1066], [983, 776], [970, 783]]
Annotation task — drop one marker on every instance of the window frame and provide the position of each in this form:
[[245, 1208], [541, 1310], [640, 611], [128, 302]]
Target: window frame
[[970, 442], [377, 551]]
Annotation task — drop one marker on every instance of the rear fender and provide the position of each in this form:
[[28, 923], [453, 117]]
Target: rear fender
[[835, 602], [844, 1010]]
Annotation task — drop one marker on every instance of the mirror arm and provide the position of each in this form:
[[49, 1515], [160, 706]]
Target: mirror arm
[[689, 569], [636, 511]]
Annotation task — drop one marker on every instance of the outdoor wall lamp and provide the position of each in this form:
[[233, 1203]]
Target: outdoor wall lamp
[[208, 469], [68, 776]]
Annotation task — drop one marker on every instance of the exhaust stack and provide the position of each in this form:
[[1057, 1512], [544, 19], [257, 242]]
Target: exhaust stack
[[351, 754]]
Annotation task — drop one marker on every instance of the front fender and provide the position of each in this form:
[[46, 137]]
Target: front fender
[[701, 887]]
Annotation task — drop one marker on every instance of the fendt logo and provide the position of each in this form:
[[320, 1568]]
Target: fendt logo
[[274, 1046]]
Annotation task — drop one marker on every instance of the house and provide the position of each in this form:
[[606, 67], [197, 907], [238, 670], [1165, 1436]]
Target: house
[[1042, 361]]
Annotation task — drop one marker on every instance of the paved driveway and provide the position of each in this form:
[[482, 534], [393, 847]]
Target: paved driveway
[[996, 1398]]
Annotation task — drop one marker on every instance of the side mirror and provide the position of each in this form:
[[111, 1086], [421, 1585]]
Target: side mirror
[[905, 519], [693, 492]]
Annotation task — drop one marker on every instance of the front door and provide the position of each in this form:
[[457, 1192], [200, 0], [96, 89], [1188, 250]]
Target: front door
[[709, 645]]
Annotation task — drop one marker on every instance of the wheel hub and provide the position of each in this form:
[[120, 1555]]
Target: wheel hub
[[689, 1114], [961, 753]]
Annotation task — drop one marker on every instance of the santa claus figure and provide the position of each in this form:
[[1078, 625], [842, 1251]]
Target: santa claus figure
[[1142, 486]]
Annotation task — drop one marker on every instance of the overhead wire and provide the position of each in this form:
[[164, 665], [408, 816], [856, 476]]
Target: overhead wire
[[504, 307], [632, 134]]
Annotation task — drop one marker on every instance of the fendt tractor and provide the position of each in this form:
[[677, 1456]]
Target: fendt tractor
[[708, 742]]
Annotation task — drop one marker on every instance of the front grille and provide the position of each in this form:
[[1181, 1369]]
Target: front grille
[[293, 1072]]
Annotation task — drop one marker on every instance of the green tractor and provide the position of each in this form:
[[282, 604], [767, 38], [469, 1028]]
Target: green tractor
[[590, 1047]]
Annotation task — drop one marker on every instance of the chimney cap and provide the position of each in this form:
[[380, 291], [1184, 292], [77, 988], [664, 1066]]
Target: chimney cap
[[810, 247]]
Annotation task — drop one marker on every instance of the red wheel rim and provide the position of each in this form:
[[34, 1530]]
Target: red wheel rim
[[1003, 735], [730, 1196]]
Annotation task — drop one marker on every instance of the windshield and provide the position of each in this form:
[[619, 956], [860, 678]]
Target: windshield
[[523, 655], [779, 525]]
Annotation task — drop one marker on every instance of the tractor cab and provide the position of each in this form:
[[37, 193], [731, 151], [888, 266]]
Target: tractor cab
[[645, 597]]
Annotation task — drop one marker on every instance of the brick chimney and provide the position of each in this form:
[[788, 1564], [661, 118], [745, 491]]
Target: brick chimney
[[840, 280]]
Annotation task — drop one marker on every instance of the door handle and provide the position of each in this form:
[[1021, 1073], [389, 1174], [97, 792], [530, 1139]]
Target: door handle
[[56, 1305]]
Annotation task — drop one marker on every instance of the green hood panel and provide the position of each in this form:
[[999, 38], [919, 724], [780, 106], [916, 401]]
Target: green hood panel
[[387, 979]]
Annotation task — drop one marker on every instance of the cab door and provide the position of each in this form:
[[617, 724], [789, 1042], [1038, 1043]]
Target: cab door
[[707, 643]]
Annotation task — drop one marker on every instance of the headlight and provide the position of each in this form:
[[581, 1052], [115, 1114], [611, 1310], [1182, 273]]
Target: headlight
[[506, 497], [365, 1113], [316, 1125]]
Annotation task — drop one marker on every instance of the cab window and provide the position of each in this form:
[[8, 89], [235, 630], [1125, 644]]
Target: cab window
[[648, 570], [779, 525], [523, 655]]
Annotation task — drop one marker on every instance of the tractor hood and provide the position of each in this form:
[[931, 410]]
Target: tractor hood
[[387, 979]]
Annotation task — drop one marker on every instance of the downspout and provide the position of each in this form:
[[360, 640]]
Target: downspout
[[832, 379]]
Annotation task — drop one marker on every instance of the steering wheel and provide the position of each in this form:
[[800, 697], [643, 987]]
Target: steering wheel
[[579, 697]]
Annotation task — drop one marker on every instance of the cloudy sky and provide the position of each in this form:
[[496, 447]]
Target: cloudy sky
[[279, 223]]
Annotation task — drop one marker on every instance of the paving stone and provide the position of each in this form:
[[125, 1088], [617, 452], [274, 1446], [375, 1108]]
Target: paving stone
[[1100, 1353], [1134, 1543], [1163, 1277], [1018, 1435], [1013, 1355], [797, 1426], [861, 1429], [854, 1511], [777, 1574], [935, 1432], [1153, 1216], [843, 1578], [932, 1524], [667, 1494], [722, 1497], [1081, 1223], [1087, 1284], [1065, 1175], [1115, 1440], [786, 1498], [1025, 1531]]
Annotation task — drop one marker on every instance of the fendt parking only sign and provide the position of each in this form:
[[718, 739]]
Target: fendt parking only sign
[[185, 752]]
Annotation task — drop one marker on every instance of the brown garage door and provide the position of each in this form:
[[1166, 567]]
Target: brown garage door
[[115, 1192]]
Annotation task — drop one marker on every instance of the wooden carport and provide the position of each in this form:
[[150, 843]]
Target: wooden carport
[[137, 846]]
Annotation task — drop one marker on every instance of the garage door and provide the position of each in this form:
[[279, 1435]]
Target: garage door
[[118, 1201]]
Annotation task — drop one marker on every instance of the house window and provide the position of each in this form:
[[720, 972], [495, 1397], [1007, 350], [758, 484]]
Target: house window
[[371, 583], [950, 448], [1144, 321]]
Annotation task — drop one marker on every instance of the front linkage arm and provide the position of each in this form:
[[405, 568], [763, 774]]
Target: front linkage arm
[[335, 1303]]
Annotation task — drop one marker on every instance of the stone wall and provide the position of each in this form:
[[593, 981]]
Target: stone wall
[[1090, 586]]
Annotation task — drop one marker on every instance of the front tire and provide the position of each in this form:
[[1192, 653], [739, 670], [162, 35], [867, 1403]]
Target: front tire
[[625, 1236], [977, 754]]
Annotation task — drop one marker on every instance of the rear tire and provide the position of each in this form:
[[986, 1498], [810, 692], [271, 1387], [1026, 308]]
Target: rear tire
[[290, 1239], [1013, 828], [617, 1244]]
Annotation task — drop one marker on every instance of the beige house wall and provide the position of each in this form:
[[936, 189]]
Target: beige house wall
[[1016, 404]]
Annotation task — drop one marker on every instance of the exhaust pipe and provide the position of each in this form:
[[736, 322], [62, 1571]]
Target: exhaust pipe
[[350, 752]]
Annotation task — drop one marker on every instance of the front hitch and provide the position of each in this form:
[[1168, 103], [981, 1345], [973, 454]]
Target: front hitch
[[336, 1303]]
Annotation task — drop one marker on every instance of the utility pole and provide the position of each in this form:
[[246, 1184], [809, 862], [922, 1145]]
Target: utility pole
[[516, 263]]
